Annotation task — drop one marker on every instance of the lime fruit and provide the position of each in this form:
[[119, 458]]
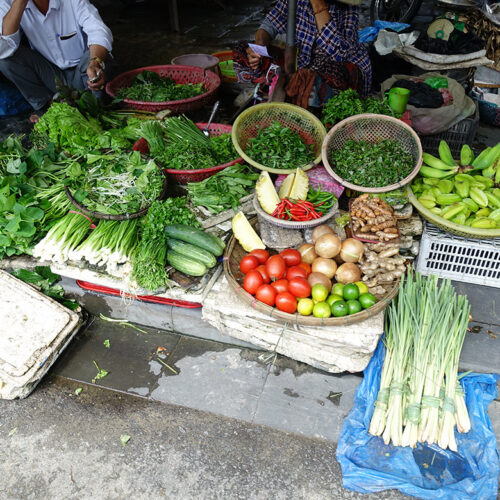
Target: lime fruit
[[338, 289], [319, 292], [305, 307], [351, 292], [340, 308], [322, 310], [367, 300], [361, 287], [333, 298], [354, 306]]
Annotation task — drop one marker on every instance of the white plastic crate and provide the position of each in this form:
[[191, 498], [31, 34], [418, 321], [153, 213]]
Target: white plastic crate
[[460, 259]]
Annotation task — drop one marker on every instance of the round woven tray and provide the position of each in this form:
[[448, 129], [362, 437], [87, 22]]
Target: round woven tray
[[181, 74], [290, 224], [448, 226], [232, 256], [299, 120], [372, 128]]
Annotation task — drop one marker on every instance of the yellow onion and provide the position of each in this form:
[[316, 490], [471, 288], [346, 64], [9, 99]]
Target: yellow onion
[[348, 273], [307, 252], [314, 278], [352, 250], [320, 231], [328, 245], [324, 266]]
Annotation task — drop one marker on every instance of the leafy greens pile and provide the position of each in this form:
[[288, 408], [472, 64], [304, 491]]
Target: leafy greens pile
[[151, 87], [277, 146]]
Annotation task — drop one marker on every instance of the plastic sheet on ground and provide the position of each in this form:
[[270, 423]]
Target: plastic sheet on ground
[[368, 465]]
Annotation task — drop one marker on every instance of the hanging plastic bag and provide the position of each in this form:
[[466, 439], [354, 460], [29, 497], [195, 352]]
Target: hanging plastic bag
[[428, 472]]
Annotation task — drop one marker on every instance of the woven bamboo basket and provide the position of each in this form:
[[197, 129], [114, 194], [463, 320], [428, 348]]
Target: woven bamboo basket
[[232, 257]]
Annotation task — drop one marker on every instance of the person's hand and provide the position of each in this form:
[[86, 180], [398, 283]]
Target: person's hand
[[97, 77], [253, 59]]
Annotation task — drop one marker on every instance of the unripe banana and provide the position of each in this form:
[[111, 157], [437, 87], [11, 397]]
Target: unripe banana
[[445, 154], [466, 155], [434, 162], [435, 173]]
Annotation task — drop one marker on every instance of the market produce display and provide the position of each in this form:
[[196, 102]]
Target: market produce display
[[465, 192], [381, 264], [149, 86], [420, 397], [367, 164], [348, 103], [114, 182], [277, 146]]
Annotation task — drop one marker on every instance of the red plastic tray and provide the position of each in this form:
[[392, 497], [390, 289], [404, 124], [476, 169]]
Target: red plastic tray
[[91, 287]]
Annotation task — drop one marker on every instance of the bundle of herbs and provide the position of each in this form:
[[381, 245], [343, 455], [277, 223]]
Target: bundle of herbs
[[420, 397], [149, 86], [372, 164], [280, 147]]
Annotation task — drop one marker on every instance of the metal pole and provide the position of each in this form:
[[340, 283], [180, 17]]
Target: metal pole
[[291, 50]]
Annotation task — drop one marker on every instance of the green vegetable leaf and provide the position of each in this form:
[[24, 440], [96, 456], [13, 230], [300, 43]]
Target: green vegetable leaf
[[7, 203], [124, 439], [78, 391], [26, 229], [33, 214], [107, 344]]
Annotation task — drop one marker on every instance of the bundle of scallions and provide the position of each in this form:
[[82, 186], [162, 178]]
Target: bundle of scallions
[[420, 397]]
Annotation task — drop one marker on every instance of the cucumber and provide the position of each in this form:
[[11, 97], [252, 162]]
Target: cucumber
[[196, 237], [185, 265], [192, 252]]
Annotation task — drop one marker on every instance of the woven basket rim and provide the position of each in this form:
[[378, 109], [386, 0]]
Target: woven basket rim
[[174, 67], [297, 319], [451, 227], [355, 187], [276, 105]]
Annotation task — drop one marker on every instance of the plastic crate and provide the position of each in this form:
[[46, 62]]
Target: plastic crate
[[460, 259], [461, 133]]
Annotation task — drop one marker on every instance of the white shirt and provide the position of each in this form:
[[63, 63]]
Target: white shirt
[[62, 35]]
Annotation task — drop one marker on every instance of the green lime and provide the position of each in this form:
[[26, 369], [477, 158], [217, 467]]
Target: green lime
[[367, 300], [305, 307], [351, 292], [321, 310], [338, 289], [354, 306], [333, 298], [319, 292], [362, 287], [340, 308]]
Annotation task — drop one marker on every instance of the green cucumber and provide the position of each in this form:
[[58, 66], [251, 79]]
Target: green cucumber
[[196, 237], [192, 252], [185, 265]]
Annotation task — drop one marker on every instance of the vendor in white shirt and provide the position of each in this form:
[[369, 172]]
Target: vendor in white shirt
[[68, 40]]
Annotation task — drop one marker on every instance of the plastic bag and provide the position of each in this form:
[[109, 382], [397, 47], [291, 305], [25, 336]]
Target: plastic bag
[[368, 465], [11, 101], [437, 82], [427, 121], [370, 33]]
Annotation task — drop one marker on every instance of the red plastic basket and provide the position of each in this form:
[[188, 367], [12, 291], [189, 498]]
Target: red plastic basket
[[91, 287], [181, 74], [185, 176]]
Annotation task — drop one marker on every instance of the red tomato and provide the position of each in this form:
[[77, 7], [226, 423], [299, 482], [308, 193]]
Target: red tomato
[[248, 263], [299, 287], [291, 257], [276, 267], [306, 267], [295, 272], [266, 294], [265, 275], [286, 302], [280, 285], [262, 255], [252, 281]]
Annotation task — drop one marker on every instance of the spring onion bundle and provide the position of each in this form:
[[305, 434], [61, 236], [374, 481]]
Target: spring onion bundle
[[420, 398]]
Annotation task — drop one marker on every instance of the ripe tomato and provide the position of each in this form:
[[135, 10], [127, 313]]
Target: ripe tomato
[[295, 272], [299, 287], [265, 275], [248, 263], [306, 267], [252, 281], [261, 255], [276, 267], [286, 302], [280, 285], [266, 294], [291, 257]]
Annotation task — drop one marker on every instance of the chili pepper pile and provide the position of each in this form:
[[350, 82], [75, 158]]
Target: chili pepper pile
[[300, 210]]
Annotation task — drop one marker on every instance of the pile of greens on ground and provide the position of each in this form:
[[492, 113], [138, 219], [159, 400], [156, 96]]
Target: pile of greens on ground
[[372, 165], [277, 146], [223, 190], [179, 144], [348, 103], [151, 87], [114, 183]]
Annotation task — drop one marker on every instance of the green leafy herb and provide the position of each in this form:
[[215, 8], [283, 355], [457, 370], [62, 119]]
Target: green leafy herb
[[78, 391], [107, 344], [101, 373]]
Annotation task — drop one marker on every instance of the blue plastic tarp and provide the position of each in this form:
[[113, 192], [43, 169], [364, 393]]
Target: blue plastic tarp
[[11, 101], [369, 466], [370, 33]]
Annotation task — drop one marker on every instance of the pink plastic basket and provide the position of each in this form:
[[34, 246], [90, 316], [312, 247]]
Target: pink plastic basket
[[181, 74], [185, 176]]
